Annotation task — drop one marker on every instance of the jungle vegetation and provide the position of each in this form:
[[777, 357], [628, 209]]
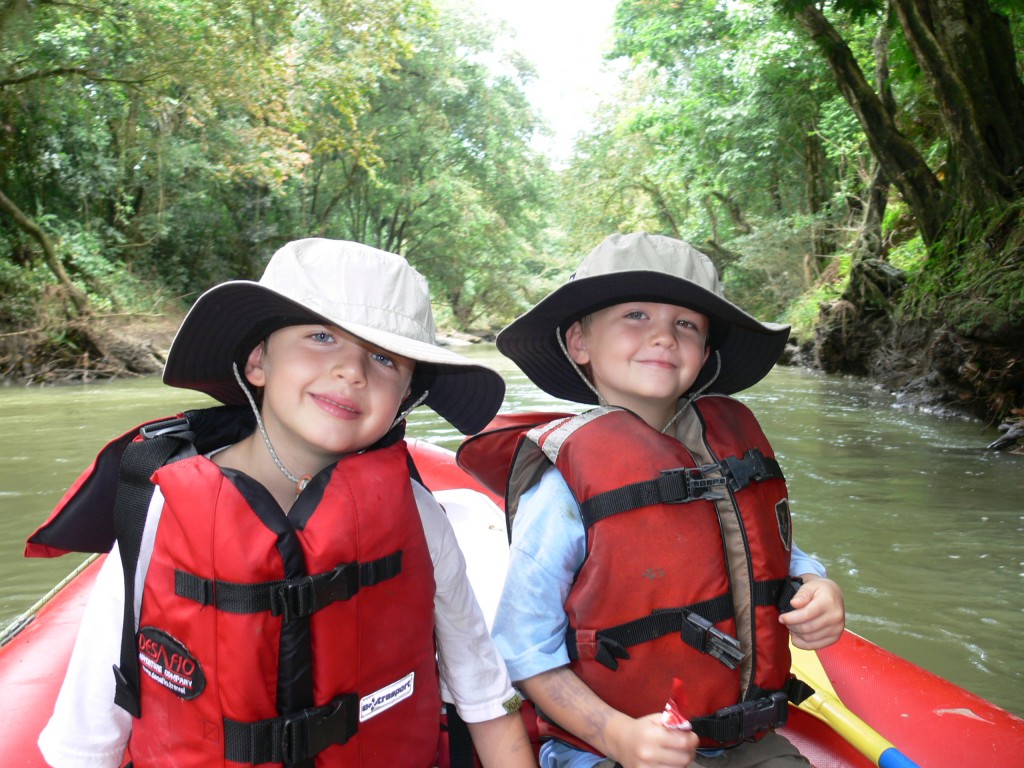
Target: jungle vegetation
[[853, 167]]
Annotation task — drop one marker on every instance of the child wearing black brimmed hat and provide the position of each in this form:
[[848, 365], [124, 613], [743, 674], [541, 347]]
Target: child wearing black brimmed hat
[[651, 536], [295, 590]]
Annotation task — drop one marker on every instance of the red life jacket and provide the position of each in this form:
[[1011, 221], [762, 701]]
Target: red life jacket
[[246, 659], [687, 561], [302, 639]]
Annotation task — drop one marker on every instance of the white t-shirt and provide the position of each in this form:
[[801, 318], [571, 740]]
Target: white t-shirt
[[87, 730]]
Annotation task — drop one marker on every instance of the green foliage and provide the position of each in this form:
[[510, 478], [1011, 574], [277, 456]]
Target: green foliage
[[177, 143], [457, 189], [770, 273], [166, 145], [20, 291], [909, 256], [713, 139], [977, 285]]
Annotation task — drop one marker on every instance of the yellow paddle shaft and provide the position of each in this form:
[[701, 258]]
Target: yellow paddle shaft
[[866, 739]]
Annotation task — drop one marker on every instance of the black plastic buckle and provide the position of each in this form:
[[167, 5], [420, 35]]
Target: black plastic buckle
[[742, 471], [166, 427], [700, 486], [684, 484], [752, 717], [340, 584], [714, 642], [306, 595], [310, 732], [293, 599]]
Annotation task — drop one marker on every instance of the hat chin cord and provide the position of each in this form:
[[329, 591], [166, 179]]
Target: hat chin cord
[[402, 414], [694, 395], [300, 482]]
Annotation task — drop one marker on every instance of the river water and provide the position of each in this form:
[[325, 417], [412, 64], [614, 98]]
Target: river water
[[922, 527]]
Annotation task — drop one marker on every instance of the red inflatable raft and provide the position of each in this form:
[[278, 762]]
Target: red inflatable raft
[[917, 718]]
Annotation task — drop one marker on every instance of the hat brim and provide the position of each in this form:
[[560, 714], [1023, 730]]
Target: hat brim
[[464, 393], [748, 352]]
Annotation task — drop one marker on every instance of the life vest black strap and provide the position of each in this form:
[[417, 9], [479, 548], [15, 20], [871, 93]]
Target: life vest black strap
[[134, 491], [777, 592], [694, 623], [683, 484], [290, 598], [295, 738], [743, 721], [796, 691]]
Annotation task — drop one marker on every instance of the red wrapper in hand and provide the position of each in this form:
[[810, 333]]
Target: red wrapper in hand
[[674, 716]]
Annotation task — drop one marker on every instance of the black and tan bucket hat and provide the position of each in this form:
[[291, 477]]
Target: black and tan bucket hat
[[369, 293], [642, 267]]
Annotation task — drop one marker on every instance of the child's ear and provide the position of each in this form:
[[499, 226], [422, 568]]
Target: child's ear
[[576, 344], [255, 365]]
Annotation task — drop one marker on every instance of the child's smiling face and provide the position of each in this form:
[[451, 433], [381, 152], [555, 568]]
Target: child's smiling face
[[642, 355], [326, 392]]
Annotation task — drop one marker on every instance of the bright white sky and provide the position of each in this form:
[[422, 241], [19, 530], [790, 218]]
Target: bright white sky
[[565, 41]]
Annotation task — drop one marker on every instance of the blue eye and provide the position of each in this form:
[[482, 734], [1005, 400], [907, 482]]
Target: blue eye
[[321, 336], [383, 359]]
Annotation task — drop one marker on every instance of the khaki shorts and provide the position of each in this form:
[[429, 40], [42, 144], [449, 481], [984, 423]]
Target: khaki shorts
[[772, 751]]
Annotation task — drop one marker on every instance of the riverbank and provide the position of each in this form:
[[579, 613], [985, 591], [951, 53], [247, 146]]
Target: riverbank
[[98, 346]]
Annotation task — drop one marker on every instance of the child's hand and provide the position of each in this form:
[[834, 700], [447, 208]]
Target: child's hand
[[645, 743], [818, 614]]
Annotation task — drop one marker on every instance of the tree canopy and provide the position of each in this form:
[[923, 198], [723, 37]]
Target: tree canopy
[[178, 143], [848, 164]]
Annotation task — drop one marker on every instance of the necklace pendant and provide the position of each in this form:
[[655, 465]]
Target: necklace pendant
[[300, 486]]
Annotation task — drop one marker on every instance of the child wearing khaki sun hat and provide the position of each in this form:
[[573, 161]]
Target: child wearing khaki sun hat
[[369, 293], [296, 590], [651, 536]]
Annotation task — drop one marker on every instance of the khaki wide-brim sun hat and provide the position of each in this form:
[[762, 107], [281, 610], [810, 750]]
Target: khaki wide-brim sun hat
[[642, 267], [369, 293]]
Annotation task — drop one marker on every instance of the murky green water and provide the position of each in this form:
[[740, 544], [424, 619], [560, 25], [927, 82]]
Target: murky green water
[[922, 526]]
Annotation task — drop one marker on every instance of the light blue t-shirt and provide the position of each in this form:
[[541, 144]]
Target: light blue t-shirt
[[548, 547]]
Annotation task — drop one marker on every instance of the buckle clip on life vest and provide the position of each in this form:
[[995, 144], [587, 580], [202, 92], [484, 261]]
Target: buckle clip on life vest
[[684, 484], [313, 730], [743, 721], [166, 427], [295, 738], [297, 598], [706, 638], [761, 714]]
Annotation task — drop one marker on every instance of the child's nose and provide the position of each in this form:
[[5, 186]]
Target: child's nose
[[350, 366], [663, 334]]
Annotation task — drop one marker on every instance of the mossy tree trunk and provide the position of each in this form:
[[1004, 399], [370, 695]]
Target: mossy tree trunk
[[74, 294], [969, 291]]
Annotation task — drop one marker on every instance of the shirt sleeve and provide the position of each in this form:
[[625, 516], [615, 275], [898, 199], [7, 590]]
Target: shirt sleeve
[[87, 730], [473, 675], [548, 543], [800, 563]]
